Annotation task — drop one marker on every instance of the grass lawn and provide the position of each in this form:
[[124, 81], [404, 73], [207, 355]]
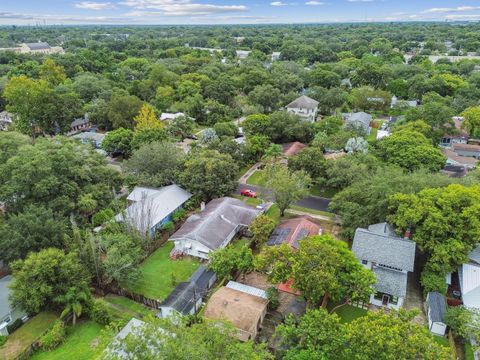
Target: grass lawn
[[348, 313], [158, 270], [273, 212], [125, 309], [253, 201], [441, 340], [82, 343], [257, 178], [243, 170], [326, 193], [468, 351], [23, 337], [373, 135], [311, 211]]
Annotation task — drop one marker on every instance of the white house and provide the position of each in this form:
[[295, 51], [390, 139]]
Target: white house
[[306, 108], [390, 257], [213, 227], [151, 208], [8, 314], [469, 279], [275, 56], [170, 116], [436, 307]]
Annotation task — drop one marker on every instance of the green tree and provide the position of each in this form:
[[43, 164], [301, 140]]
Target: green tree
[[147, 119], [226, 129], [225, 261], [261, 228], [208, 174], [44, 276], [10, 142], [472, 120], [74, 300], [52, 73], [287, 187], [122, 109], [118, 141], [266, 96], [309, 160]]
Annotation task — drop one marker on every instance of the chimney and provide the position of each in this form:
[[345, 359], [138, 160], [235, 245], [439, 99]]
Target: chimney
[[202, 206], [407, 234]]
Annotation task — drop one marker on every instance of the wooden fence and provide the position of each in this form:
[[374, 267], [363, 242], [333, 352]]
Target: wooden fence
[[152, 303]]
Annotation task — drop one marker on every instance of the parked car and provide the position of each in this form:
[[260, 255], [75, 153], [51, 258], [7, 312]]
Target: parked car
[[248, 193]]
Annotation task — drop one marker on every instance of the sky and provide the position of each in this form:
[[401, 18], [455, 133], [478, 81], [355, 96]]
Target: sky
[[158, 12]]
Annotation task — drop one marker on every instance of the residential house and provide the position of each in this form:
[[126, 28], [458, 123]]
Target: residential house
[[116, 348], [187, 297], [170, 116], [151, 208], [242, 305], [80, 124], [467, 150], [6, 120], [407, 103], [436, 307], [291, 231], [8, 314], [304, 107], [292, 148], [275, 56], [242, 54], [390, 257], [453, 158], [469, 279], [93, 138], [35, 48], [359, 120], [213, 227]]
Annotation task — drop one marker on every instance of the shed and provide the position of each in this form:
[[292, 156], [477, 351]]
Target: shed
[[436, 307]]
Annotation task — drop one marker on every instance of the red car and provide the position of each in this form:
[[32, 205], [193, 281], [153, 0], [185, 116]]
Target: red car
[[248, 192]]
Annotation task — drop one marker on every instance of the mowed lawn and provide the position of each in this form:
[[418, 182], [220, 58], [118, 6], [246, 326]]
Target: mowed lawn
[[124, 309], [347, 313], [158, 272], [257, 178], [24, 336], [83, 342]]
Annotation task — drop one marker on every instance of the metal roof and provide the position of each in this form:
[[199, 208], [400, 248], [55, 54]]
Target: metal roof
[[384, 249], [4, 292], [303, 102], [38, 46], [437, 305], [247, 289]]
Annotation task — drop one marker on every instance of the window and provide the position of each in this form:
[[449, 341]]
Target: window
[[378, 296], [364, 262], [393, 300]]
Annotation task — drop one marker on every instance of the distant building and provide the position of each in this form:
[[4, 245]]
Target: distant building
[[81, 124], [304, 107], [93, 138], [468, 150], [171, 116], [6, 120], [36, 48], [8, 314], [360, 120], [276, 56], [242, 54]]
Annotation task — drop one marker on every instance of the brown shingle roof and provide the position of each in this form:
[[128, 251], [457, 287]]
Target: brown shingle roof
[[298, 228], [466, 147], [293, 148], [243, 310]]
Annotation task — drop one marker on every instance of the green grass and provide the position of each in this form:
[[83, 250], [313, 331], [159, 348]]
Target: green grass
[[311, 211], [257, 178], [441, 340], [253, 201], [348, 313], [23, 337], [239, 243], [274, 212], [83, 342], [468, 351], [158, 271], [243, 170], [326, 193], [125, 309], [373, 135]]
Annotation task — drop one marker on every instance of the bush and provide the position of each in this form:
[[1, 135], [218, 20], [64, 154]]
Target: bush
[[432, 281], [14, 326], [225, 129], [102, 216], [179, 215], [272, 295], [3, 340], [100, 313], [54, 337], [168, 227]]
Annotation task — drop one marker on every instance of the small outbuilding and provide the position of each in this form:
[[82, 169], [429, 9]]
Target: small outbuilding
[[436, 307]]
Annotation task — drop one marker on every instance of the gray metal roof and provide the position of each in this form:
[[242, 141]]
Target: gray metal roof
[[382, 229], [4, 291], [475, 255], [303, 102], [183, 298], [390, 281], [202, 278], [359, 117], [79, 121], [383, 249], [214, 224], [38, 46], [437, 305], [247, 289]]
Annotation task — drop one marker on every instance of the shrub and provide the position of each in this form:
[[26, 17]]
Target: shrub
[[179, 215], [432, 281], [272, 295], [102, 216], [100, 313], [168, 227], [54, 337], [3, 340], [14, 326]]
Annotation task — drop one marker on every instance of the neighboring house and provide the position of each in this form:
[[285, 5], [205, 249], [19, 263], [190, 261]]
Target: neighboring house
[[390, 257], [276, 56], [469, 279], [467, 150], [291, 231], [292, 148], [436, 307], [151, 208], [213, 227], [410, 103], [93, 138], [35, 48], [170, 116], [8, 314], [80, 124], [134, 326], [242, 54], [454, 171], [447, 141], [454, 159], [304, 107], [6, 120], [187, 297], [382, 134], [242, 305], [359, 120]]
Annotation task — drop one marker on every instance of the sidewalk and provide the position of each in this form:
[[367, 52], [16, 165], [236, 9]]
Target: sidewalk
[[315, 216], [243, 179]]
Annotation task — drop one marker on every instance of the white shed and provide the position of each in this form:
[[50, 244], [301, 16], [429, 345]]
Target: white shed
[[436, 306]]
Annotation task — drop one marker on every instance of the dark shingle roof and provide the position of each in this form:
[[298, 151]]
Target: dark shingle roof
[[384, 249], [437, 305], [202, 277], [390, 281], [303, 102]]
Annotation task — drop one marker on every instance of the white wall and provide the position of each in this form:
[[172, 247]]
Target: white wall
[[309, 115], [438, 328], [376, 302]]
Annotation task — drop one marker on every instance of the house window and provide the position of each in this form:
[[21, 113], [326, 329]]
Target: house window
[[364, 262], [378, 296], [393, 300]]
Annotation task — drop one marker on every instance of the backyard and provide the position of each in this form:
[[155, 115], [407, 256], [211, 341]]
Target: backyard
[[159, 274], [347, 313], [123, 308], [23, 337]]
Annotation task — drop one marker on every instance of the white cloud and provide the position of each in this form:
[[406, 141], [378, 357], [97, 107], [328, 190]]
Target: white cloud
[[5, 17], [90, 5], [314, 3], [454, 9], [177, 8], [360, 0], [278, 3]]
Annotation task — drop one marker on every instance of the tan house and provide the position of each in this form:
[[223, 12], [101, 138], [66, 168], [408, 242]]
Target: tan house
[[36, 48], [242, 305]]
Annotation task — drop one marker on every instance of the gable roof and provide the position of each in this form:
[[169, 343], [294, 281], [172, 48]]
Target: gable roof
[[4, 292], [292, 148], [183, 298], [469, 276], [359, 117], [437, 305], [243, 310], [466, 147], [384, 248], [38, 46], [475, 255], [79, 121], [152, 205], [390, 281], [293, 230], [303, 102], [452, 157], [212, 226]]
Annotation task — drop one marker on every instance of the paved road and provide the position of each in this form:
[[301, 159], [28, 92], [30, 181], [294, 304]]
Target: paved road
[[310, 202]]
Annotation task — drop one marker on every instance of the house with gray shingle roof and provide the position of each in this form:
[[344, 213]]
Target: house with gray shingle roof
[[359, 120], [390, 257], [304, 107]]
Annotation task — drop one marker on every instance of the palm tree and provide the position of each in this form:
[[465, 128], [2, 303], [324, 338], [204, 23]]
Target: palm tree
[[74, 301]]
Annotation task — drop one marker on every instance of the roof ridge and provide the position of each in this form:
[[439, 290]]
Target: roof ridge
[[386, 236]]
